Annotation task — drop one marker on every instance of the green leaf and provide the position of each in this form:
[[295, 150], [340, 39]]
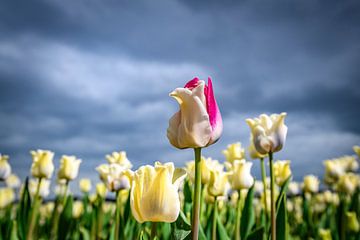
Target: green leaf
[[24, 210], [181, 228], [165, 230], [281, 220], [13, 233], [257, 234], [127, 211], [187, 192], [221, 231], [65, 219], [283, 191], [248, 215]]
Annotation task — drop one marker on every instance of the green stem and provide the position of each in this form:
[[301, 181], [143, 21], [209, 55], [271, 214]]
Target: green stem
[[272, 184], [213, 236], [342, 217], [238, 217], [56, 218], [34, 212], [263, 176], [197, 196], [118, 216], [99, 218], [153, 230]]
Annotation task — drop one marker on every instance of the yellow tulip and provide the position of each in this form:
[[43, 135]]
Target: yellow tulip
[[5, 168], [78, 209], [352, 222], [7, 196], [348, 183], [119, 158], [357, 150], [241, 177], [311, 184], [206, 165], [13, 181], [85, 185], [218, 184], [101, 190], [269, 132], [234, 152], [115, 176], [42, 166], [154, 195], [69, 167], [325, 234], [282, 171]]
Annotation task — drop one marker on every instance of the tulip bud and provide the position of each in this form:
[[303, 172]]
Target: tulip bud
[[69, 167], [218, 184], [311, 184], [241, 177], [154, 195], [78, 209], [325, 234], [85, 185], [198, 123], [42, 166], [115, 176], [269, 133], [7, 196], [348, 183], [13, 181], [352, 222], [294, 188], [206, 165], [282, 172], [5, 168], [234, 152], [101, 190], [119, 158]]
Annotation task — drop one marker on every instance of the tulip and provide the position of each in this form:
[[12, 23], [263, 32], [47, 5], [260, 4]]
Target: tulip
[[85, 185], [348, 183], [13, 181], [101, 190], [311, 184], [42, 166], [69, 168], [218, 184], [333, 170], [119, 158], [78, 209], [115, 176], [198, 123], [352, 222], [357, 150], [154, 195], [241, 177], [282, 172], [254, 154], [269, 133], [7, 196], [207, 165], [294, 188], [325, 234], [5, 168], [234, 152]]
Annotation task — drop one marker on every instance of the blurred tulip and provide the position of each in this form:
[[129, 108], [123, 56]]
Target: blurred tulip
[[44, 189], [241, 177], [78, 209], [198, 123], [101, 190], [119, 158], [69, 167], [357, 150], [7, 196], [13, 181], [294, 188], [42, 166], [348, 183], [311, 184], [282, 171], [234, 152], [325, 234], [115, 176], [85, 185], [5, 168], [154, 195], [352, 222], [269, 132], [206, 165]]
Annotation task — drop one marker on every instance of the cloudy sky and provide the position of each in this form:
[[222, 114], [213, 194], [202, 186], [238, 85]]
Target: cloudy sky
[[91, 77]]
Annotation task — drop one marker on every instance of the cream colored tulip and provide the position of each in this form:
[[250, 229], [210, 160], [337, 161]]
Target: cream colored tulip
[[206, 165], [294, 188], [119, 158], [69, 167], [7, 196], [101, 190], [311, 184], [241, 177], [218, 184], [333, 170], [234, 152], [357, 150], [254, 154], [352, 223], [282, 172], [5, 168], [44, 189], [13, 181], [115, 176], [154, 195], [42, 166], [269, 132], [85, 185], [78, 209], [348, 183]]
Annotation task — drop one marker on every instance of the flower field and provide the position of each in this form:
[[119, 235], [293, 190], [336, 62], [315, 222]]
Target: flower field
[[205, 199]]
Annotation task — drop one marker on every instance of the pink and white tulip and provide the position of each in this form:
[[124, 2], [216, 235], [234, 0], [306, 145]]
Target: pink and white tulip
[[198, 123]]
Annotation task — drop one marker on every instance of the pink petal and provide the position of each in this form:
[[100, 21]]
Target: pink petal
[[211, 105], [192, 83]]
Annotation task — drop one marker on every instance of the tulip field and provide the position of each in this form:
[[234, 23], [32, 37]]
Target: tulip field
[[204, 199]]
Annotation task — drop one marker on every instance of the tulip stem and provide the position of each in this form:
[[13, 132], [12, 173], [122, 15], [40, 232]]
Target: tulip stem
[[238, 217], [263, 176], [272, 184], [117, 217], [197, 196], [34, 211], [213, 236], [153, 230]]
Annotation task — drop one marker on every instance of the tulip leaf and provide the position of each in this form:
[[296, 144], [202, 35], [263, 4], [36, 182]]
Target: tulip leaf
[[65, 219], [127, 211], [24, 210], [187, 192], [257, 234], [283, 191], [281, 220], [221, 231], [248, 215], [181, 228]]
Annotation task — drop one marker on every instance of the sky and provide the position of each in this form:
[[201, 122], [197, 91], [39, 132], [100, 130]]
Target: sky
[[87, 78]]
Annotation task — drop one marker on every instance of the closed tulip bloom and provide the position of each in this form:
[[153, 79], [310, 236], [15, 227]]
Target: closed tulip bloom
[[101, 190], [352, 222], [357, 150], [78, 209], [348, 183], [5, 168], [325, 234], [42, 166], [69, 168], [333, 170], [7, 196], [44, 187], [254, 154], [115, 176], [119, 158], [241, 177], [218, 184], [282, 171], [85, 185], [234, 152], [13, 181], [198, 123], [269, 132], [311, 184], [154, 195], [206, 165], [294, 188]]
